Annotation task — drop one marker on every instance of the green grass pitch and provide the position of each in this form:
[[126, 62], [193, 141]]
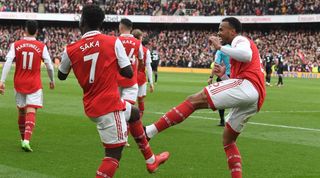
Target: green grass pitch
[[282, 141]]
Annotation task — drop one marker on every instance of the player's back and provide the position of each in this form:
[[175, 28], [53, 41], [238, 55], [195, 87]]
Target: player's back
[[251, 71], [269, 60], [94, 62], [28, 57], [132, 47]]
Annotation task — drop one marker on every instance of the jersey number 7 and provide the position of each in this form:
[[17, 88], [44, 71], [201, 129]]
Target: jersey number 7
[[94, 58]]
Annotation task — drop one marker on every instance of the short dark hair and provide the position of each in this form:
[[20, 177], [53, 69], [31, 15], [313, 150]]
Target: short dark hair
[[126, 22], [32, 26], [145, 41], [92, 16], [234, 23]]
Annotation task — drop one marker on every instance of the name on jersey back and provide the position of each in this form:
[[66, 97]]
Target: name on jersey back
[[89, 45], [28, 45]]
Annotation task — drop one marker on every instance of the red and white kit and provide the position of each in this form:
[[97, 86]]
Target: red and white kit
[[128, 87], [28, 54], [142, 80], [244, 93], [96, 60]]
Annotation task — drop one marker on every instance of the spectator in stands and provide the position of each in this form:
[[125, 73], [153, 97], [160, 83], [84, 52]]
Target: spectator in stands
[[189, 48]]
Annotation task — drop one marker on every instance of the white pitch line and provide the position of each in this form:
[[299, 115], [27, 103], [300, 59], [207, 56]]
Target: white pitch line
[[254, 123], [202, 112]]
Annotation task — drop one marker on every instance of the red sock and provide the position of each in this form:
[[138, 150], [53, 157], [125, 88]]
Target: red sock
[[107, 168], [139, 136], [234, 160], [21, 124], [175, 115], [141, 107], [29, 125]]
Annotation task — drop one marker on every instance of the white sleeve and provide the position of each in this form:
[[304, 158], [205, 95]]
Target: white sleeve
[[149, 69], [7, 65], [141, 51], [123, 60], [240, 49], [65, 64], [47, 61]]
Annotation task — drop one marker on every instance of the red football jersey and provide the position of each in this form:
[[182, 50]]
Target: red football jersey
[[132, 46], [251, 71], [28, 56], [142, 69], [95, 65]]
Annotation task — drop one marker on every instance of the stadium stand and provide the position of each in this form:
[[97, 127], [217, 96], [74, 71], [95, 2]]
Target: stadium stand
[[189, 48], [169, 7]]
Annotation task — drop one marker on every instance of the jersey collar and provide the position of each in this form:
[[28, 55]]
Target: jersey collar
[[91, 33], [126, 35], [29, 38]]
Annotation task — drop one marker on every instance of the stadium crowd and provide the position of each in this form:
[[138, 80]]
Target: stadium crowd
[[170, 7], [189, 48]]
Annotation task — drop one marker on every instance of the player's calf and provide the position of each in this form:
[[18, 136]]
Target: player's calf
[[138, 133], [232, 152], [110, 163], [21, 122], [178, 114]]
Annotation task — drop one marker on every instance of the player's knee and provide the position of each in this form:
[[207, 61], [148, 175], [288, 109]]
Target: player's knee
[[198, 100], [140, 99], [22, 112], [115, 153], [135, 114]]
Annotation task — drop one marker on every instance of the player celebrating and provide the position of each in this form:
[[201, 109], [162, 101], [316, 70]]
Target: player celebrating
[[146, 63], [268, 64], [243, 92], [129, 87], [96, 60], [28, 53]]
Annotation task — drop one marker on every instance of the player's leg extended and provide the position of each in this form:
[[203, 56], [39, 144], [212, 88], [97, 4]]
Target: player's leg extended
[[179, 113], [136, 130], [21, 121]]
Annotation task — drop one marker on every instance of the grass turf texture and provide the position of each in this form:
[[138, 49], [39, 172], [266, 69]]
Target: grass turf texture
[[66, 143]]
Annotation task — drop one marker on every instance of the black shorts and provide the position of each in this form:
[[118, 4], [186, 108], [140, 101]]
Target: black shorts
[[280, 70], [154, 65], [268, 69]]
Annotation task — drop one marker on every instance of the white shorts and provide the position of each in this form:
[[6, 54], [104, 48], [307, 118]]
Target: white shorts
[[239, 95], [34, 100], [142, 91], [112, 129], [129, 94]]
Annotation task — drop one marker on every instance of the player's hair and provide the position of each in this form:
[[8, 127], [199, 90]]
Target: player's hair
[[145, 41], [92, 16], [127, 23], [137, 33], [234, 23], [32, 26]]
